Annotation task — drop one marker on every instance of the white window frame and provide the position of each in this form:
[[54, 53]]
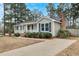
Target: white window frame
[[44, 27], [20, 27], [24, 27], [17, 27], [41, 27]]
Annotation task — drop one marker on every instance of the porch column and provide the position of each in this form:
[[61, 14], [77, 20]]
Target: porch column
[[26, 28], [53, 28], [18, 28], [38, 27]]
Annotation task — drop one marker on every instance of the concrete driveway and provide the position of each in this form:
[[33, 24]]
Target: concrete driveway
[[46, 48]]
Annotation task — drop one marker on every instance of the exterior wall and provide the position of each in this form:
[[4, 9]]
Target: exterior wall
[[74, 32], [34, 28], [25, 29], [56, 28], [44, 21], [52, 28], [19, 30]]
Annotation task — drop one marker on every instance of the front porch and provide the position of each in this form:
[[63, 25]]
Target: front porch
[[26, 27], [32, 27]]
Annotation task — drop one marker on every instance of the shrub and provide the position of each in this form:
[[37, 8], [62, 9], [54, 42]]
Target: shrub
[[45, 35], [48, 35], [16, 34], [41, 35], [35, 35], [38, 35], [25, 35], [63, 34], [29, 34]]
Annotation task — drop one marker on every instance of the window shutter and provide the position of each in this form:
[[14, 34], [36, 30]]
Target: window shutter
[[50, 27]]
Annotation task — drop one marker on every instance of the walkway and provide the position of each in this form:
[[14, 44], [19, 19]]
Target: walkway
[[47, 48]]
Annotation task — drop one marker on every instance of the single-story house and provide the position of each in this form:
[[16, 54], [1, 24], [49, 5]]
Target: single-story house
[[44, 24]]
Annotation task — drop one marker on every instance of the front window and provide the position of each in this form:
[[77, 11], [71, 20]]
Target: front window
[[20, 27], [24, 27], [17, 27], [46, 27], [28, 27], [42, 27]]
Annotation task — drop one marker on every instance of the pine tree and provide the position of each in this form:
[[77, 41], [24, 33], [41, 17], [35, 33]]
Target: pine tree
[[19, 11], [74, 13], [51, 10], [16, 11], [7, 18]]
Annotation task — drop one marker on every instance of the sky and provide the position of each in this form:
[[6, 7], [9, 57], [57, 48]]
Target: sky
[[1, 11], [40, 6]]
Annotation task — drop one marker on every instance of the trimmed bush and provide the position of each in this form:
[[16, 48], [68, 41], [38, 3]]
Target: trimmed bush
[[63, 34], [38, 35], [45, 35], [48, 35], [29, 35], [16, 34]]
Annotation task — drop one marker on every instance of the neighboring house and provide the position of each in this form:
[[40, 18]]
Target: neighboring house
[[44, 24]]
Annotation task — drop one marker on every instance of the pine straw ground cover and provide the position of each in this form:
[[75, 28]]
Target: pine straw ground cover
[[9, 43], [72, 50]]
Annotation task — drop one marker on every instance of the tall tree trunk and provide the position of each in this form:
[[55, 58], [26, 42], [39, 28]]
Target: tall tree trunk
[[4, 21], [10, 28], [74, 25], [62, 20], [4, 27]]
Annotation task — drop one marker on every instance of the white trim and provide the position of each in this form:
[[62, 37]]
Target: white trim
[[48, 18], [44, 27], [45, 17]]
